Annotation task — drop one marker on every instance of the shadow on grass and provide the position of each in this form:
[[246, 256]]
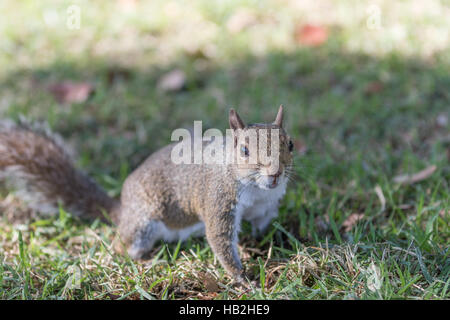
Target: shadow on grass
[[334, 99], [363, 120]]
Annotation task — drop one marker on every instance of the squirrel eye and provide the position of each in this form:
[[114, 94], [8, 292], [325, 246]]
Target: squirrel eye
[[244, 151], [291, 146]]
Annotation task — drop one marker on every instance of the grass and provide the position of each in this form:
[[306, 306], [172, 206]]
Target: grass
[[369, 105]]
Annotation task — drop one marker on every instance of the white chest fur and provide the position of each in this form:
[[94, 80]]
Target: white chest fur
[[259, 206]]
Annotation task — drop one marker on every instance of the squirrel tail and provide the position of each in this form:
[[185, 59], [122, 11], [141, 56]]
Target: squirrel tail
[[35, 162]]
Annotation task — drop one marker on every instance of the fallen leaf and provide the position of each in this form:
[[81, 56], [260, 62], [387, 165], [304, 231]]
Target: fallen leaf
[[172, 81], [300, 147], [351, 221], [311, 35], [419, 176], [374, 87], [209, 283], [117, 74], [71, 92]]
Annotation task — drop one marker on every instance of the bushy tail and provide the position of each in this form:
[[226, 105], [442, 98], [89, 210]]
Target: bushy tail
[[37, 165]]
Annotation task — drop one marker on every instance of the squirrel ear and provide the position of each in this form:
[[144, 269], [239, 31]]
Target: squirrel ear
[[279, 119], [235, 121]]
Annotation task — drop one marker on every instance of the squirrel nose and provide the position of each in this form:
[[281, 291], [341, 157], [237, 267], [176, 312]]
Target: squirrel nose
[[276, 175]]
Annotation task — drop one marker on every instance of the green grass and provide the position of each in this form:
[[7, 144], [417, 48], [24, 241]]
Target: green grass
[[358, 139]]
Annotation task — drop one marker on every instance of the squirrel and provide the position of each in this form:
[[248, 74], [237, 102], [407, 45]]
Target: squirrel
[[159, 200]]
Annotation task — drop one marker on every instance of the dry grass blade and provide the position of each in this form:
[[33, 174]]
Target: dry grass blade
[[413, 178], [380, 195]]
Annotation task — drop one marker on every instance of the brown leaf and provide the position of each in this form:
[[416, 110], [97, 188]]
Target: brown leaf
[[210, 283], [419, 176], [311, 35], [117, 74], [300, 147], [374, 87], [351, 221], [172, 81], [71, 92]]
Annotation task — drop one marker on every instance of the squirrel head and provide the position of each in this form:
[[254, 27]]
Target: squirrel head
[[263, 151]]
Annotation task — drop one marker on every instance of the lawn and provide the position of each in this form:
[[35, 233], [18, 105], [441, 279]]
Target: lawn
[[365, 87]]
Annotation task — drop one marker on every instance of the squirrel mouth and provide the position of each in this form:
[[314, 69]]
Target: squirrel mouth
[[274, 183]]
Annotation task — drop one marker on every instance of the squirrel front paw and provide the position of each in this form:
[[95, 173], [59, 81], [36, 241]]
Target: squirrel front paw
[[243, 281]]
